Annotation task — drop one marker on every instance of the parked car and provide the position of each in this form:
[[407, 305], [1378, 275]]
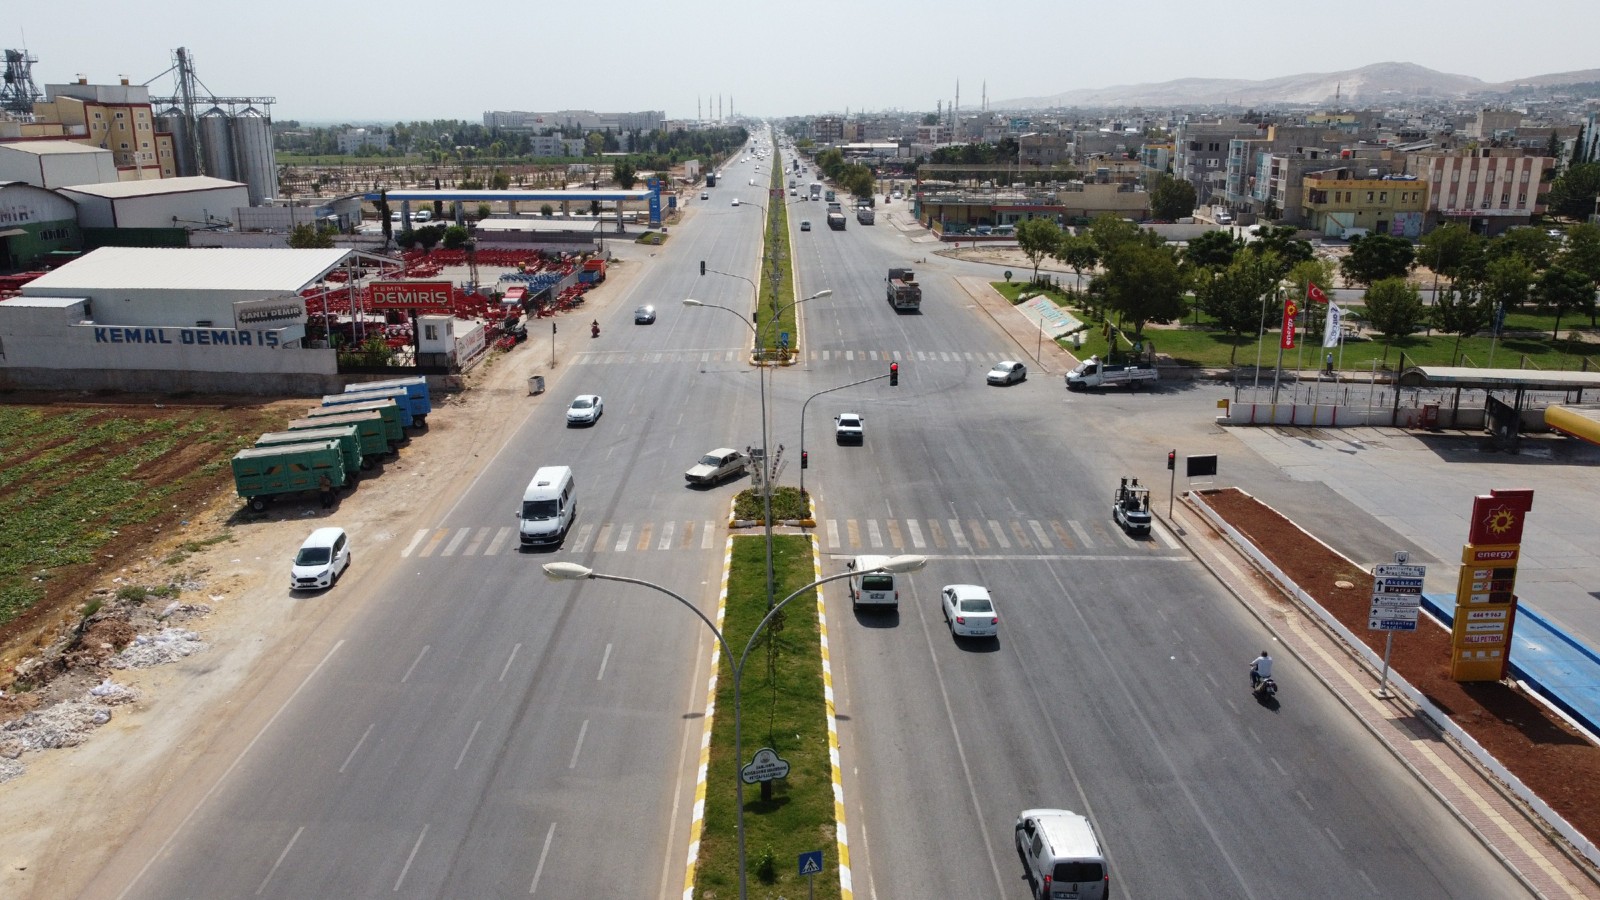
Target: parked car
[[321, 560], [1007, 372], [716, 466], [586, 409], [847, 429], [644, 315], [969, 611]]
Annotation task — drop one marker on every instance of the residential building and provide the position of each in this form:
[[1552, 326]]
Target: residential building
[[1340, 201], [827, 130], [1487, 189], [1201, 154], [355, 140], [584, 119], [1044, 150]]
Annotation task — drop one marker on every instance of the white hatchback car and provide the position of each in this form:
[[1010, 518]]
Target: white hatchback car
[[586, 409], [969, 612], [321, 560]]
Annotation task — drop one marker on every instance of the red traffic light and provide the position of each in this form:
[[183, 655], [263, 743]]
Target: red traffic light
[[1172, 459], [894, 374]]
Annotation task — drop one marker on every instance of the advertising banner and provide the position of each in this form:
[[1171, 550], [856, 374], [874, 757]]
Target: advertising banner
[[418, 296], [1291, 311]]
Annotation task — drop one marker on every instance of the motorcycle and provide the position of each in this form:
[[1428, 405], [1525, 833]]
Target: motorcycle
[[1263, 688], [594, 330]]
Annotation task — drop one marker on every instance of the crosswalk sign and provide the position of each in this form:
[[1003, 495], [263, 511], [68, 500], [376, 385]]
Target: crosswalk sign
[[811, 863]]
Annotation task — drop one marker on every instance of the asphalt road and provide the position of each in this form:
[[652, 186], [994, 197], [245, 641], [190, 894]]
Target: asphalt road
[[474, 730], [1118, 685], [477, 730]]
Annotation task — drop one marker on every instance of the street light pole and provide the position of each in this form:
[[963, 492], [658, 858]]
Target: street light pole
[[566, 571]]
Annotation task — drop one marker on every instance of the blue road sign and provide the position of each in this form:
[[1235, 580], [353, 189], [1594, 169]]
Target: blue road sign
[[811, 863]]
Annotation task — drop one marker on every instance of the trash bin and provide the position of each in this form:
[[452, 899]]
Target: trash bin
[[536, 384]]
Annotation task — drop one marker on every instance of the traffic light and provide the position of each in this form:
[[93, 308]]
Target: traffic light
[[805, 459], [702, 267], [894, 374], [1172, 459]]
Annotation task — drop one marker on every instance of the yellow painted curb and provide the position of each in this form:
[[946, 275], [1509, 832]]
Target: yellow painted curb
[[698, 820], [841, 836]]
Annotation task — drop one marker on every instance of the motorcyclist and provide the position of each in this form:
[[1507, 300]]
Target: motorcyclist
[[594, 328], [1260, 669]]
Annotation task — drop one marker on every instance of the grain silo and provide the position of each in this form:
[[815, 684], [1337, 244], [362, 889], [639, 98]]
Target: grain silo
[[252, 151], [172, 121], [216, 145]]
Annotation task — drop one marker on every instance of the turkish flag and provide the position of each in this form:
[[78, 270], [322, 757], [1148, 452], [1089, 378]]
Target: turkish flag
[[1315, 294]]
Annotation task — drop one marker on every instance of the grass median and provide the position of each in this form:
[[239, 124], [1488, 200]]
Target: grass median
[[777, 294], [784, 709]]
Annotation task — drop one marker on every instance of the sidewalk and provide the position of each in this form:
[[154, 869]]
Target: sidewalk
[[1500, 822]]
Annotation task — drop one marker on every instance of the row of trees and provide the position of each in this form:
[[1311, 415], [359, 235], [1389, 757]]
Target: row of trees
[[852, 177]]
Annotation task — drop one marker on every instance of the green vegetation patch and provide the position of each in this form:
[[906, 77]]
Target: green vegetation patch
[[776, 280], [787, 503], [653, 238], [783, 709], [71, 482]]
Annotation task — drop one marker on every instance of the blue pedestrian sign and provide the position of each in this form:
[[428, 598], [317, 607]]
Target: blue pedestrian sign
[[811, 863]]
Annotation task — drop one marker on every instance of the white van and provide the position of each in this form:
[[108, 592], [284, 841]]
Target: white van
[[549, 506], [1062, 854], [869, 588]]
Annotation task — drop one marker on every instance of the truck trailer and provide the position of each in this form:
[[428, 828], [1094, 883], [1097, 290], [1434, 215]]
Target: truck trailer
[[902, 290]]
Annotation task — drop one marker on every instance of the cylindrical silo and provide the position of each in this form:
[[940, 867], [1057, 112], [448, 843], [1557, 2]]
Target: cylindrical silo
[[252, 151], [173, 122], [216, 145]]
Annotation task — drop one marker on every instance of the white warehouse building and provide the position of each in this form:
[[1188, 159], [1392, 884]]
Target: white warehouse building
[[195, 202], [169, 319]]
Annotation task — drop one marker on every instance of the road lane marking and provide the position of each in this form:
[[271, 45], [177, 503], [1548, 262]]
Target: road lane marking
[[624, 537], [353, 751], [603, 659], [697, 817], [468, 745], [667, 530], [433, 543], [1038, 534], [477, 541], [707, 534], [852, 533], [162, 850], [539, 869], [507, 667], [1082, 535], [978, 540], [895, 540], [688, 534], [644, 537], [833, 534], [958, 536], [461, 535], [414, 662], [275, 865], [1166, 537], [603, 538], [873, 536], [938, 534], [500, 538], [577, 748], [999, 535], [415, 540], [410, 858], [1061, 534], [584, 532], [915, 528]]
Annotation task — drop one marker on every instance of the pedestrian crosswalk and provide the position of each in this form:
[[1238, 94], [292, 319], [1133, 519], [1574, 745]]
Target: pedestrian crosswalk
[[705, 357], [952, 536]]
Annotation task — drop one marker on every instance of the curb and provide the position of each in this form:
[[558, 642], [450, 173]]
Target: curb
[[698, 820], [836, 770]]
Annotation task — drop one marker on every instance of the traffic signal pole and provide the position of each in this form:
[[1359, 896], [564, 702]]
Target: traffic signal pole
[[894, 380]]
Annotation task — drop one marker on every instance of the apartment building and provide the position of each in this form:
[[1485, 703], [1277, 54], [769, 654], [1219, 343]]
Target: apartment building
[[1487, 189], [114, 117], [1338, 202]]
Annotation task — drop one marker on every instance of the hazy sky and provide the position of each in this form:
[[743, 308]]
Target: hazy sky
[[337, 60]]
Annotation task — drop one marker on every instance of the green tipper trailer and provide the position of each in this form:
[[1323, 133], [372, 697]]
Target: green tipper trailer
[[261, 473], [393, 430], [346, 435], [370, 431]]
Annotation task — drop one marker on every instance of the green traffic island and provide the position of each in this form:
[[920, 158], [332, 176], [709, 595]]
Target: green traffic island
[[783, 712], [654, 238], [789, 507]]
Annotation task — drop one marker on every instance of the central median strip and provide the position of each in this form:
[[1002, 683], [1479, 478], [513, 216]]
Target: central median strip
[[785, 708]]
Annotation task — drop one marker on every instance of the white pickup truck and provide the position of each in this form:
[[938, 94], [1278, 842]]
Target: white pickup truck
[[1094, 373]]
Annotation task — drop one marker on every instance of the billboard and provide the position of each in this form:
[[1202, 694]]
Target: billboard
[[417, 296]]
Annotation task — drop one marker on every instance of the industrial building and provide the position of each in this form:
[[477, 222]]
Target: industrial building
[[169, 320], [183, 203], [34, 223]]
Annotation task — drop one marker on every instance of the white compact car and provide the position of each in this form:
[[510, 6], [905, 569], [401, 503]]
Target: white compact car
[[969, 612], [1007, 372], [586, 409], [848, 429], [321, 560]]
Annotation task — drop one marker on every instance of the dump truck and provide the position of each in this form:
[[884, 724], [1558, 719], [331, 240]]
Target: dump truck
[[348, 438], [371, 432], [416, 388], [902, 289], [262, 473], [393, 431], [1130, 506], [836, 221], [865, 215], [1094, 373]]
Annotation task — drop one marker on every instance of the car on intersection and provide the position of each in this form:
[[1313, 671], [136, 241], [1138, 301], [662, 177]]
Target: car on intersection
[[969, 611], [1007, 372], [586, 409]]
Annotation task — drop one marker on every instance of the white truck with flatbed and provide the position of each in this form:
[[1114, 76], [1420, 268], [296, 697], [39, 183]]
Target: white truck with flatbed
[[1093, 373]]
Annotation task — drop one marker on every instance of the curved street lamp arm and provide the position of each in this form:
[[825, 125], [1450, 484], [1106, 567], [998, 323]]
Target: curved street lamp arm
[[779, 605], [726, 650]]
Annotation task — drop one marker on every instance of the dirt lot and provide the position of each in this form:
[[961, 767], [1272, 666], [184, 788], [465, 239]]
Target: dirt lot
[[1555, 761]]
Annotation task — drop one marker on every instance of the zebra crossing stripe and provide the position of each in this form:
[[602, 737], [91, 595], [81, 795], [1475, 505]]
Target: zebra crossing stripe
[[872, 534], [477, 541], [1082, 535], [433, 542], [999, 535], [585, 531], [415, 540], [707, 532], [461, 535], [853, 531], [1061, 534], [978, 540], [958, 536], [644, 537], [832, 528], [1038, 533], [500, 538], [1022, 539], [667, 531], [938, 535], [622, 538], [603, 539], [916, 533], [894, 535]]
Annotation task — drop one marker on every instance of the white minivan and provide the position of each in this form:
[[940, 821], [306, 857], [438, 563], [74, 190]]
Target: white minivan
[[549, 506], [869, 588]]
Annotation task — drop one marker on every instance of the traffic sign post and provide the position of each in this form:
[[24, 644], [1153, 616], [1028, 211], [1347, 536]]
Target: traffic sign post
[[811, 867], [1396, 606]]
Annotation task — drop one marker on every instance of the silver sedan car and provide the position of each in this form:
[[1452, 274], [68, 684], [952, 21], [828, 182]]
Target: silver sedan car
[[586, 409]]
